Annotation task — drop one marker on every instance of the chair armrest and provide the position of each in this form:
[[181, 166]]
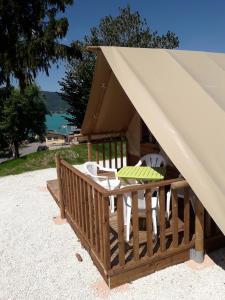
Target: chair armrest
[[107, 169], [98, 176], [138, 164]]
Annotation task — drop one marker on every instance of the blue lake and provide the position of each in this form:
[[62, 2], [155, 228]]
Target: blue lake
[[58, 123]]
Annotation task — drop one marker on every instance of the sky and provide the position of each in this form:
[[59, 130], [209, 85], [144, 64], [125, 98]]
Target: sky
[[199, 24]]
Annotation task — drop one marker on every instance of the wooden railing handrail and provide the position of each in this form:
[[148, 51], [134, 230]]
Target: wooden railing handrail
[[179, 185], [139, 187], [84, 177], [127, 189], [107, 140]]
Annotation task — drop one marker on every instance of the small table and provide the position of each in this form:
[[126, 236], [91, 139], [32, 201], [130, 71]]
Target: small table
[[142, 173]]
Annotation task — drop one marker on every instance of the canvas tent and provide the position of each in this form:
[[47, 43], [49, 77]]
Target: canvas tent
[[180, 95]]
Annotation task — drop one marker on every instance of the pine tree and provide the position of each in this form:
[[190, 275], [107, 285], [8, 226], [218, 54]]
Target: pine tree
[[30, 38]]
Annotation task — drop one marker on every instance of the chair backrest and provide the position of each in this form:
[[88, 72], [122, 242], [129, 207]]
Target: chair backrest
[[152, 160], [91, 168]]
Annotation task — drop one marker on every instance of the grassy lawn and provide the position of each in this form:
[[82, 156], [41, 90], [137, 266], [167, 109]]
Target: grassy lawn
[[76, 154], [44, 159]]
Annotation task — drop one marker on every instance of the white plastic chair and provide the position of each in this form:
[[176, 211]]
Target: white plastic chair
[[141, 208], [149, 160], [91, 169], [180, 194], [152, 160]]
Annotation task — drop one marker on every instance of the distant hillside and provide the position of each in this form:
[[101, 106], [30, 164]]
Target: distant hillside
[[54, 102]]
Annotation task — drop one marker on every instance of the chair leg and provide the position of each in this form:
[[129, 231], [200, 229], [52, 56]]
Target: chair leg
[[154, 221], [168, 200], [112, 204], [128, 216]]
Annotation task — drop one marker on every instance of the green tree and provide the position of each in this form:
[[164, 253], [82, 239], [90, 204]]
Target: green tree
[[30, 38], [127, 29], [22, 116]]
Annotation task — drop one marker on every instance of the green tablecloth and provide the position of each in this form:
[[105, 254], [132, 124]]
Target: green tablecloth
[[142, 173]]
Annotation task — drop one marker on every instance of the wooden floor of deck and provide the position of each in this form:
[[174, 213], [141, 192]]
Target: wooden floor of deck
[[52, 187]]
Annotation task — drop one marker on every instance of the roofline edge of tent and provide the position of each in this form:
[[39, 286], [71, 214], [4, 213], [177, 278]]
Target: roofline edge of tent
[[93, 48]]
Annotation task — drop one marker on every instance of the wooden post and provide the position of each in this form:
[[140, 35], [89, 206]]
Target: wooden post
[[89, 145], [199, 232], [59, 181]]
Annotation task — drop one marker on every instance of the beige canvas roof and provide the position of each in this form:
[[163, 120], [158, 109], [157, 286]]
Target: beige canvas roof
[[180, 95]]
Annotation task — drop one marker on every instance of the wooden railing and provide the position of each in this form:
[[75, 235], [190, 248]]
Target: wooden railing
[[110, 152], [86, 209], [86, 206], [173, 234]]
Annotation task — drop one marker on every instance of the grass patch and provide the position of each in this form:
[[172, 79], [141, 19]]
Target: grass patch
[[44, 159], [76, 154]]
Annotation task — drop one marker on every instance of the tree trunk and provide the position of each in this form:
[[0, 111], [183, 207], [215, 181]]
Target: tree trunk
[[15, 149]]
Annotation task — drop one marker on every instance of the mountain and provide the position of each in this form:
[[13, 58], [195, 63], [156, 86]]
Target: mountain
[[54, 102]]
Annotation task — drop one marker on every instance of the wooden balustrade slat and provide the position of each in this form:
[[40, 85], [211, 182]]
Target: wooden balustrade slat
[[71, 193], [67, 189], [148, 201], [135, 225], [103, 153], [106, 233], [74, 198], [77, 200], [120, 223], [175, 218], [115, 154], [97, 153], [82, 204], [110, 154], [91, 222], [162, 224], [63, 191], [186, 216], [96, 221], [121, 153], [100, 213], [85, 208]]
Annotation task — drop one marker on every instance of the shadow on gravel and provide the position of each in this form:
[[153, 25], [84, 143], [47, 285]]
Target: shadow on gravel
[[218, 257]]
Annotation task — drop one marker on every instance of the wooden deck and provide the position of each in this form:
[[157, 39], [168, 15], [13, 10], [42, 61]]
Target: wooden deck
[[86, 208], [142, 237], [52, 187]]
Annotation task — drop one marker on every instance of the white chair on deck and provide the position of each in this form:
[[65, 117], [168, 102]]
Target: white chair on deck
[[91, 169], [152, 160], [149, 160], [141, 208], [180, 194]]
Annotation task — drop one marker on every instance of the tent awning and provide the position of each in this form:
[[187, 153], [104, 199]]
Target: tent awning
[[180, 95]]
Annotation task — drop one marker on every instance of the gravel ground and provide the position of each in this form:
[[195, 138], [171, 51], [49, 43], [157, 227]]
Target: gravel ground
[[37, 257]]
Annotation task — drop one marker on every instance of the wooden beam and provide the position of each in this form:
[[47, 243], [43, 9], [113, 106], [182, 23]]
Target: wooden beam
[[89, 145], [93, 48], [199, 231]]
